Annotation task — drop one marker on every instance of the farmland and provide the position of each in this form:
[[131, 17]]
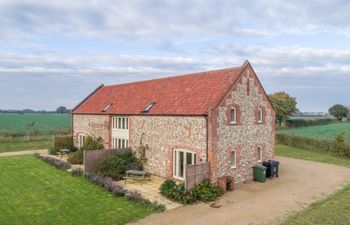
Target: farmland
[[14, 132], [44, 123], [324, 132]]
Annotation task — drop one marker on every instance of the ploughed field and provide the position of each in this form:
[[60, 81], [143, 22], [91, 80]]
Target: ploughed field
[[324, 132]]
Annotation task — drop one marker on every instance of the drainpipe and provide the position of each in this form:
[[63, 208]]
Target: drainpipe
[[206, 122]]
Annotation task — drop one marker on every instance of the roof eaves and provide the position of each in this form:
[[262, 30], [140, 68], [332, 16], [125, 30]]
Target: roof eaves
[[87, 97]]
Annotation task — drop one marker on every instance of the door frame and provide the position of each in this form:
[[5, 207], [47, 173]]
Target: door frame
[[176, 168]]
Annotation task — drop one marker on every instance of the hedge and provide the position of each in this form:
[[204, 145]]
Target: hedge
[[64, 142], [309, 122], [313, 144]]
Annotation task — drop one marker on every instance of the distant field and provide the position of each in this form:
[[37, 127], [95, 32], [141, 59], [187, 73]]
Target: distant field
[[325, 132], [310, 117], [44, 123]]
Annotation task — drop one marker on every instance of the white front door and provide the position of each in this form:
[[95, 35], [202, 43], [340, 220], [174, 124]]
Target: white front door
[[181, 158]]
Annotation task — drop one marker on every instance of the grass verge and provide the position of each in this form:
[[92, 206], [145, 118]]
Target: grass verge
[[21, 145], [33, 192], [332, 210]]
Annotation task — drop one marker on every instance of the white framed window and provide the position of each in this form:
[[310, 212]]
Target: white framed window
[[120, 123], [260, 115], [119, 143], [234, 115], [233, 159], [259, 153], [181, 158], [81, 139]]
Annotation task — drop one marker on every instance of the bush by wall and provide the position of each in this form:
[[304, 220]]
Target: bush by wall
[[76, 157], [337, 147], [64, 142], [91, 143], [205, 191], [309, 122], [116, 166]]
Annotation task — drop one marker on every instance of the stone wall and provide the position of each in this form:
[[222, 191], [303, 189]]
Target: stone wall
[[92, 125], [165, 133], [245, 136]]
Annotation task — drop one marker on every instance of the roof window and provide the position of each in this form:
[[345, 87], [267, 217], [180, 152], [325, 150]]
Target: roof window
[[107, 107], [149, 107]]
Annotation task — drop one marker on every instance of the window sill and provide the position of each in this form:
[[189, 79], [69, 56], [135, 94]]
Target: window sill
[[233, 167]]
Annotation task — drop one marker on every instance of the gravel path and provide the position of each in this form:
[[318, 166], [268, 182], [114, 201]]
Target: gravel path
[[28, 152], [300, 183]]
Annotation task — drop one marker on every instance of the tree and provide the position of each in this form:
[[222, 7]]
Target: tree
[[338, 111], [61, 110], [284, 104]]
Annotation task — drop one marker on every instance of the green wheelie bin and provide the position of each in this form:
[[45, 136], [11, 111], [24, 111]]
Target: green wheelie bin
[[259, 173]]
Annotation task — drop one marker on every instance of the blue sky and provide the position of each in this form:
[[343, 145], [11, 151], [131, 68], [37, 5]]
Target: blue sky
[[54, 53]]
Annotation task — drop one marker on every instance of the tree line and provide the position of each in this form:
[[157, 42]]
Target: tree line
[[286, 105], [61, 110]]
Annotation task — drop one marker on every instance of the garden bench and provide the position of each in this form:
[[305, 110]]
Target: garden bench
[[63, 152], [137, 175]]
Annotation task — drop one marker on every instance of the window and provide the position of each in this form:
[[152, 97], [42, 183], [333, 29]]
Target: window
[[107, 107], [181, 158], [120, 143], [259, 153], [120, 123], [233, 115], [149, 106], [260, 115], [81, 139], [233, 159]]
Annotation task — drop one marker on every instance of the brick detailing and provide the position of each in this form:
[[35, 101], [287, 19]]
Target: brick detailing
[[163, 134], [92, 125], [246, 137]]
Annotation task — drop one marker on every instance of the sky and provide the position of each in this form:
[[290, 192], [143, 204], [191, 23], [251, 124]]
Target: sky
[[55, 53]]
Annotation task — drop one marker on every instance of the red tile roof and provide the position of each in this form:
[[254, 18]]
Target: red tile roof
[[190, 94]]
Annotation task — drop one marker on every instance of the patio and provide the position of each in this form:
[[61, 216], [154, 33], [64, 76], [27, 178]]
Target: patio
[[149, 190]]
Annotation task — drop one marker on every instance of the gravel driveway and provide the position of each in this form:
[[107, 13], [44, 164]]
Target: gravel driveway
[[300, 183]]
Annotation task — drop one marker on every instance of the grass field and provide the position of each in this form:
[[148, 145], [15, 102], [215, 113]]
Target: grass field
[[325, 132], [44, 123], [332, 210], [33, 192], [43, 142]]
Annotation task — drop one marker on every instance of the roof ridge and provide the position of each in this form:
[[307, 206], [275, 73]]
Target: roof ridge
[[175, 76]]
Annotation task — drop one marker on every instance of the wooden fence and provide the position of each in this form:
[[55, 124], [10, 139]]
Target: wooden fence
[[195, 174], [92, 158]]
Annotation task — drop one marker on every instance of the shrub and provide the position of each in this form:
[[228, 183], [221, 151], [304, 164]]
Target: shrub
[[176, 192], [309, 122], [107, 183], [55, 162], [77, 172], [136, 197], [117, 165], [64, 142], [76, 157], [53, 150], [92, 143], [337, 147], [206, 191]]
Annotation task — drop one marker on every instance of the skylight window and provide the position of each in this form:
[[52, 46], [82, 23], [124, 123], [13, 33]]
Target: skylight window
[[149, 107], [107, 107]]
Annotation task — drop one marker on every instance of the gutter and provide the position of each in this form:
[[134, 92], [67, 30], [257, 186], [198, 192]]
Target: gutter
[[207, 138]]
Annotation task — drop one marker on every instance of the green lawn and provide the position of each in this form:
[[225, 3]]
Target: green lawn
[[33, 192], [333, 210], [43, 122], [325, 132], [299, 153], [23, 144]]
